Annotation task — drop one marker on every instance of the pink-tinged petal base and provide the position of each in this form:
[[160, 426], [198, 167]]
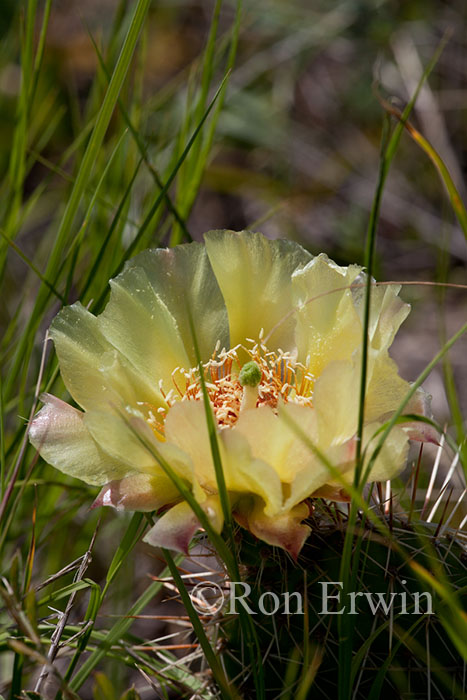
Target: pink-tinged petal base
[[284, 530], [139, 492], [175, 529]]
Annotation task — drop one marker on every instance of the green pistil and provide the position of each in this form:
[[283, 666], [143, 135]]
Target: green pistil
[[250, 374]]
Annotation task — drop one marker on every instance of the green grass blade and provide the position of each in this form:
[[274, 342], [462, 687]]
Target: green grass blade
[[213, 440], [142, 149], [93, 272], [149, 217], [453, 193], [100, 128], [227, 691], [31, 265], [18, 151], [131, 537], [349, 573]]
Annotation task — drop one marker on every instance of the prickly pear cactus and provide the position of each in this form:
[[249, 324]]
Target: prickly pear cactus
[[386, 624]]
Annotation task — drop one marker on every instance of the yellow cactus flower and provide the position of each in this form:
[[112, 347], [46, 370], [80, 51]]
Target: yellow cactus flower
[[279, 334]]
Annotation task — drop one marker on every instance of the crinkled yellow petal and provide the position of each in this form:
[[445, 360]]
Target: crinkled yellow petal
[[387, 312], [328, 326], [337, 390], [254, 275], [186, 430], [313, 472], [385, 389], [273, 441], [182, 464], [330, 323], [393, 455], [173, 281], [141, 327], [94, 372], [59, 433], [141, 492], [335, 399], [316, 477], [391, 459], [119, 433], [245, 474]]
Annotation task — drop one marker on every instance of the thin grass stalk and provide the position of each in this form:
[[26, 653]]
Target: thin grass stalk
[[133, 245], [215, 451], [18, 152], [247, 624], [186, 173], [114, 223], [142, 149], [452, 191], [347, 572], [31, 265], [226, 690]]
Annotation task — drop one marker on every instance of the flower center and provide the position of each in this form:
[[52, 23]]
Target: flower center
[[267, 378]]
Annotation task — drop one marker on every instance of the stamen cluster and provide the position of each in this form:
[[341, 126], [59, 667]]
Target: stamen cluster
[[282, 378]]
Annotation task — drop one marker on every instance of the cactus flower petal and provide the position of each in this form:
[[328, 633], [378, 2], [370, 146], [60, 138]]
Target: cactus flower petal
[[186, 429], [147, 317], [419, 430], [394, 451], [94, 372], [255, 278], [141, 492], [285, 530], [59, 433], [328, 327], [175, 529], [337, 389]]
